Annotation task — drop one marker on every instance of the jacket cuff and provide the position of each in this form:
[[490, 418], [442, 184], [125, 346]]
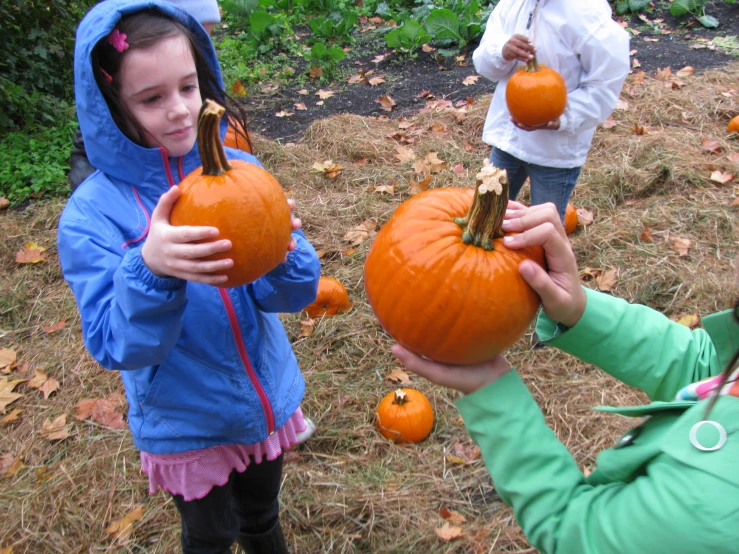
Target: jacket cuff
[[505, 390], [565, 122], [134, 263], [564, 338]]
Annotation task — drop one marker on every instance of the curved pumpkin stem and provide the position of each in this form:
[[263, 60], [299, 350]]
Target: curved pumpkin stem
[[212, 155], [401, 398], [483, 222], [532, 66]]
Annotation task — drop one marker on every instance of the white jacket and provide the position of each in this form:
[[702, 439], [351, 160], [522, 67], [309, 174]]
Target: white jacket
[[581, 41]]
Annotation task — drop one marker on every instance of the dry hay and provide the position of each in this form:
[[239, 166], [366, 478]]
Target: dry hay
[[348, 490]]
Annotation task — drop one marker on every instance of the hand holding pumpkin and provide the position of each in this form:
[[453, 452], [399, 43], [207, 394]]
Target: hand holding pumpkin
[[559, 286], [548, 126], [464, 378], [296, 225], [171, 251], [518, 47]]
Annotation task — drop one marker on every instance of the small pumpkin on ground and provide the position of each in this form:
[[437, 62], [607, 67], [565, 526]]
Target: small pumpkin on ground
[[237, 137], [242, 200], [443, 284], [570, 219], [733, 126], [536, 94], [405, 415], [331, 299]]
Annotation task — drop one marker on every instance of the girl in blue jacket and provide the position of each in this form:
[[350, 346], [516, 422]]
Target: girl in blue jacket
[[213, 386]]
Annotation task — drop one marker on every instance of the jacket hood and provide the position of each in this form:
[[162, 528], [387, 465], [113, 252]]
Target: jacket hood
[[108, 149]]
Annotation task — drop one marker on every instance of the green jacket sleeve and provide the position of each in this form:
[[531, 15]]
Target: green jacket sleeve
[[635, 344], [557, 509]]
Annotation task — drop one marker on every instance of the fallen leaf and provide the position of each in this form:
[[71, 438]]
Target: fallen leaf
[[425, 94], [405, 154], [646, 235], [319, 103], [455, 518], [7, 396], [324, 94], [609, 123], [57, 429], [681, 245], [12, 417], [361, 161], [379, 58], [306, 327], [584, 217], [621, 104], [303, 91], [387, 189], [470, 80], [9, 464], [711, 145], [102, 410], [354, 79], [686, 71], [639, 129], [733, 157], [300, 106], [55, 328], [386, 103], [4, 203], [357, 235], [735, 202], [635, 63], [269, 89], [459, 170], [433, 160], [43, 383], [315, 72], [284, 113], [664, 74], [689, 320], [374, 81], [122, 528], [238, 88], [428, 49], [399, 376], [448, 533], [464, 454], [420, 186], [8, 359], [328, 168], [607, 280], [720, 177], [31, 253]]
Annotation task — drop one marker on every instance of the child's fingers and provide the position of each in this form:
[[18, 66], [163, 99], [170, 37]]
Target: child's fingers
[[532, 217], [189, 269], [193, 251], [164, 206], [187, 233]]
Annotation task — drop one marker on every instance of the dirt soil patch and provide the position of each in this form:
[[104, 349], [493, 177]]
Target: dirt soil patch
[[658, 40]]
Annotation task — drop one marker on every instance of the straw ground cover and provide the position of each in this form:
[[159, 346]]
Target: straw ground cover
[[348, 490]]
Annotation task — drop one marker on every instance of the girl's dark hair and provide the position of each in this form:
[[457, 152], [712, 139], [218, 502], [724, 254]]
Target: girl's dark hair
[[144, 29], [730, 367]]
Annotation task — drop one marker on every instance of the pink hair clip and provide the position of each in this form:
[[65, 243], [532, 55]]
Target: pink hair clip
[[106, 76], [118, 40]]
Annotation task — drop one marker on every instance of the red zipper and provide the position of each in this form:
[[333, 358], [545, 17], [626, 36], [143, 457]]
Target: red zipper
[[266, 406]]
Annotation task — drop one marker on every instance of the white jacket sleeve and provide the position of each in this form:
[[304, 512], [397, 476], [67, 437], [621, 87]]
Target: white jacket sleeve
[[604, 56], [488, 56]]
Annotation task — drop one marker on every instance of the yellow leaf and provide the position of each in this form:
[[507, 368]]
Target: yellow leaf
[[7, 396], [122, 528], [420, 186], [607, 280], [31, 253], [689, 320], [284, 113], [12, 417], [238, 88], [448, 533], [328, 168], [399, 376], [7, 550]]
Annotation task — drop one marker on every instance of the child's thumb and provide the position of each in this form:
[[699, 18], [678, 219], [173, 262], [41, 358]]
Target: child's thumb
[[539, 280], [166, 203]]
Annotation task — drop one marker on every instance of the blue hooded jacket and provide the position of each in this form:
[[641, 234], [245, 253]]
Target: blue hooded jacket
[[202, 365]]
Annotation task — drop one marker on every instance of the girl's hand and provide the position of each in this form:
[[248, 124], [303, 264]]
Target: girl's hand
[[559, 286], [296, 225], [550, 126], [518, 47], [466, 379], [171, 251]]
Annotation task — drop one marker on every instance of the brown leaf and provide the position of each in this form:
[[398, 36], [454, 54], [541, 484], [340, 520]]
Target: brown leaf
[[399, 376], [735, 202], [420, 186], [31, 253], [122, 528], [646, 235], [324, 94], [733, 157], [635, 63], [686, 71], [58, 326], [464, 454], [354, 79], [43, 383], [436, 164], [387, 189], [405, 154], [425, 94], [315, 72], [609, 123], [238, 88], [689, 320], [303, 91], [306, 327], [438, 129], [455, 518], [9, 464], [12, 417], [103, 410], [269, 89], [664, 74], [584, 217], [428, 49], [681, 245], [7, 396], [721, 177], [4, 203], [386, 103], [607, 280], [470, 80], [379, 57], [357, 235], [639, 129], [300, 106], [374, 81], [711, 145], [447, 533], [57, 429], [459, 170], [328, 168], [8, 359]]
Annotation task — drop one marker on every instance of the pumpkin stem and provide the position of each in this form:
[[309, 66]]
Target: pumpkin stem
[[483, 222], [212, 155], [532, 66], [401, 398]]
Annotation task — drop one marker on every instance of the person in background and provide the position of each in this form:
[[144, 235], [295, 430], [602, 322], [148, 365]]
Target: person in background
[[580, 40], [669, 484]]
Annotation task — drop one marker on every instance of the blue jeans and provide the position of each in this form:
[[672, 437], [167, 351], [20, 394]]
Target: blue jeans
[[548, 184]]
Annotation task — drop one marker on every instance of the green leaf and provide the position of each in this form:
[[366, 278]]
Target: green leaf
[[708, 21], [680, 7], [259, 22], [638, 5], [335, 53], [443, 24]]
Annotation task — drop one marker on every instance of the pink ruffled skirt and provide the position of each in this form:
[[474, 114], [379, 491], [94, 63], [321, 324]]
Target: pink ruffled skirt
[[194, 473]]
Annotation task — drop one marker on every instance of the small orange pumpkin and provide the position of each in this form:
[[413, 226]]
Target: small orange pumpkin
[[237, 137], [331, 299], [734, 125], [536, 94], [570, 219], [242, 200], [405, 415], [443, 284]]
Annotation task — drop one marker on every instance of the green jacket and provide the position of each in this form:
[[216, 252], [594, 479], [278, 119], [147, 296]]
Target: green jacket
[[654, 494]]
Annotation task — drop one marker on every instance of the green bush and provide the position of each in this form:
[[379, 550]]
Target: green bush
[[36, 54]]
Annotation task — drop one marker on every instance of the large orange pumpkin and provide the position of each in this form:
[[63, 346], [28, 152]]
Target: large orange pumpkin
[[536, 94], [405, 415], [243, 201], [444, 285], [570, 219], [331, 299], [734, 125], [237, 137]]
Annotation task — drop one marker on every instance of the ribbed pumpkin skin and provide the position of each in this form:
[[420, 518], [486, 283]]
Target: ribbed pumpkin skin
[[249, 208], [235, 140], [733, 126], [411, 422], [331, 299], [536, 97], [438, 297], [570, 219]]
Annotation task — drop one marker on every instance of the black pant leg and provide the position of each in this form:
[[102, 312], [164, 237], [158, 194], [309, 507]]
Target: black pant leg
[[256, 496]]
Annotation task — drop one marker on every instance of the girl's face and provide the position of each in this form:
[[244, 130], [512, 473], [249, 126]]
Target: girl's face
[[159, 85]]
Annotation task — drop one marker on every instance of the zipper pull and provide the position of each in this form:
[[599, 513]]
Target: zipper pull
[[531, 19]]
